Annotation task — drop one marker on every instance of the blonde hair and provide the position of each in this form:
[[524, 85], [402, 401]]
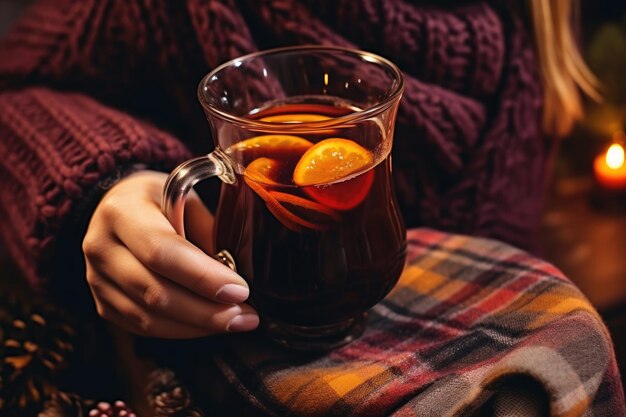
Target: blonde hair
[[563, 71]]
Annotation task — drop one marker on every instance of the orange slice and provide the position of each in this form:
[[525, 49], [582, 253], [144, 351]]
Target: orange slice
[[270, 146], [295, 118], [328, 162], [331, 160], [263, 170]]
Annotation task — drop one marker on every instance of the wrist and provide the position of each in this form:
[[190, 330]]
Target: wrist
[[66, 263]]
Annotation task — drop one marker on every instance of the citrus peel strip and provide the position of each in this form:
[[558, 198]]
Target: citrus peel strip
[[286, 217], [305, 203]]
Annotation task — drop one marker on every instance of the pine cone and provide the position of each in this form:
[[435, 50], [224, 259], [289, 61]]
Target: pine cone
[[171, 403], [33, 350], [168, 397], [63, 404], [118, 409]]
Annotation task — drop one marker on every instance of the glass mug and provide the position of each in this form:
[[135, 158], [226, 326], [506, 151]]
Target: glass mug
[[307, 213]]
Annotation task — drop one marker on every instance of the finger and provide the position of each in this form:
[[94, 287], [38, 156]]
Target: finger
[[152, 240], [113, 305], [159, 295], [144, 325], [117, 307], [199, 222]]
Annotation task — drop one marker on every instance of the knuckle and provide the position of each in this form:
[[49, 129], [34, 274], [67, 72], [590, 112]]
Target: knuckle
[[155, 251], [143, 323], [155, 297], [137, 320], [94, 281], [90, 276], [110, 208], [90, 246]]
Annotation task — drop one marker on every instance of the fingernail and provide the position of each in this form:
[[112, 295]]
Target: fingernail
[[242, 323], [232, 293]]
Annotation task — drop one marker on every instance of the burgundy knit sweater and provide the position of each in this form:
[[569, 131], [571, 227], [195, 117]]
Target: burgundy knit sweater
[[89, 88]]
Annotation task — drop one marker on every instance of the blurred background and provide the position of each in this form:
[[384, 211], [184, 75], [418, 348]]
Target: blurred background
[[584, 222]]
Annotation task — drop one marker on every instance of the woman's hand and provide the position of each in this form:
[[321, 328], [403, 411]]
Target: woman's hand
[[151, 281]]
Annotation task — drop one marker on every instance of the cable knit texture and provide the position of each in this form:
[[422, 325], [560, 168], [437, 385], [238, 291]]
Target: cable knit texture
[[469, 156]]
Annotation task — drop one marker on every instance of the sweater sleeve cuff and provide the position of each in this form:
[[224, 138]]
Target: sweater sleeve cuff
[[62, 151]]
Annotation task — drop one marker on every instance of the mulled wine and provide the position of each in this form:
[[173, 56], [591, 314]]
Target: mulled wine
[[312, 220]]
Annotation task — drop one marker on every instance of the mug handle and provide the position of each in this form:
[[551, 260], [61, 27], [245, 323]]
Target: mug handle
[[180, 182]]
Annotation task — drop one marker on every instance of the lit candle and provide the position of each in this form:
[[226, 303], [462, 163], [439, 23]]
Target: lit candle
[[609, 168]]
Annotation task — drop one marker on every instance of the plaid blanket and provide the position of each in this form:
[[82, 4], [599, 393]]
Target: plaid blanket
[[474, 327]]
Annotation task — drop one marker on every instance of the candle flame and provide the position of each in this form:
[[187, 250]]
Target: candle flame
[[615, 156]]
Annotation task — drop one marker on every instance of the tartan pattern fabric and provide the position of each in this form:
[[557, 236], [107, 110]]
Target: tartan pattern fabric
[[468, 315]]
